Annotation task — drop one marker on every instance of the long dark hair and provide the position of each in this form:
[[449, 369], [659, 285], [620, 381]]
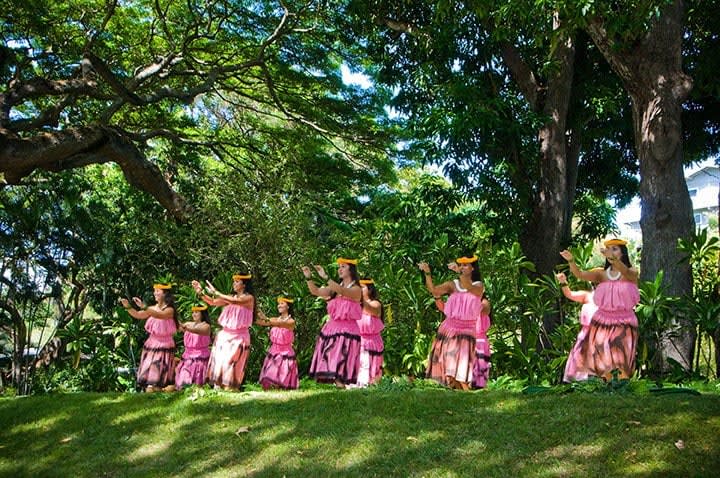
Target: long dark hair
[[625, 258], [204, 316], [353, 272], [373, 295], [476, 275], [169, 298]]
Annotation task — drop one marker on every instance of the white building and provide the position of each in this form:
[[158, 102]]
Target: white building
[[703, 184]]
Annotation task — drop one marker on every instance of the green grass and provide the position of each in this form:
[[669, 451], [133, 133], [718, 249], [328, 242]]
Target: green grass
[[417, 432]]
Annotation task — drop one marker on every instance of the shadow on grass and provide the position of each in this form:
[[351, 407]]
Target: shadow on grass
[[322, 433]]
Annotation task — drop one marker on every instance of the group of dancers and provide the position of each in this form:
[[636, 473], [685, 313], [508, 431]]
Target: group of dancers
[[349, 348]]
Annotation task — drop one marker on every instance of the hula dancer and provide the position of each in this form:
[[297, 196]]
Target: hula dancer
[[231, 348], [157, 362], [280, 368], [611, 340], [452, 357], [337, 351], [192, 369]]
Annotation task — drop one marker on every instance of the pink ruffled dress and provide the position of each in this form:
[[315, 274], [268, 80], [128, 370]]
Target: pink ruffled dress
[[280, 368], [481, 369], [337, 350], [574, 373], [612, 337], [192, 369], [371, 349], [453, 349], [157, 361], [231, 347]]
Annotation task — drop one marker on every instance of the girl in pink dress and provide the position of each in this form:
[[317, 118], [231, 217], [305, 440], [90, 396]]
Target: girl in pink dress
[[452, 357], [192, 369], [611, 340], [226, 368], [371, 342], [337, 351], [481, 369], [585, 297], [280, 368], [157, 363]]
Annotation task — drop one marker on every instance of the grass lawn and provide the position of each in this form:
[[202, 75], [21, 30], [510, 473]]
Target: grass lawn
[[418, 432]]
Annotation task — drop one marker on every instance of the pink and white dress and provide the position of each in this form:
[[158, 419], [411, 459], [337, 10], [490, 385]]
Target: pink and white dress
[[157, 361], [337, 350], [481, 369], [280, 368], [611, 340], [231, 348], [371, 349], [192, 369], [572, 372], [453, 349]]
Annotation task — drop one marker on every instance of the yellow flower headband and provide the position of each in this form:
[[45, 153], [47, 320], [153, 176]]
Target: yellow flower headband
[[242, 276], [198, 308], [342, 260], [615, 242], [162, 286], [366, 281], [466, 260], [285, 299]]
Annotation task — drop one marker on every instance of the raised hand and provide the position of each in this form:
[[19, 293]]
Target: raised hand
[[567, 255], [321, 272], [424, 267], [306, 272]]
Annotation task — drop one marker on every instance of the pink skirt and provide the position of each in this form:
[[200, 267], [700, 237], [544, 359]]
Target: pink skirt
[[191, 371], [157, 367], [451, 355], [280, 370], [481, 369], [574, 369], [336, 357], [228, 358], [608, 346]]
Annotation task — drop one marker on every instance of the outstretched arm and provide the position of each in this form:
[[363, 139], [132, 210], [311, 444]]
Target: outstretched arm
[[594, 275], [439, 290], [312, 287], [206, 298]]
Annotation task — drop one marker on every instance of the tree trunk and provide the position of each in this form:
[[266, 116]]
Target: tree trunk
[[651, 71], [549, 227]]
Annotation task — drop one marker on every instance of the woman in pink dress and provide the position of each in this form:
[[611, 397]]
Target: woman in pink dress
[[157, 362], [280, 368], [337, 351], [231, 348], [371, 342], [611, 341], [585, 297], [192, 369], [452, 357]]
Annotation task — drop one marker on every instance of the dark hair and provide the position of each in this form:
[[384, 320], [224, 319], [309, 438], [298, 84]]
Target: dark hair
[[353, 272], [248, 285], [204, 316], [289, 306], [373, 294], [169, 298], [625, 258]]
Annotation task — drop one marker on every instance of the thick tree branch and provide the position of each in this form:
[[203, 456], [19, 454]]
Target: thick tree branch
[[74, 148]]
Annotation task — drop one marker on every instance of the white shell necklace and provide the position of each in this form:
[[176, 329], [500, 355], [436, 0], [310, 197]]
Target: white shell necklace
[[610, 276]]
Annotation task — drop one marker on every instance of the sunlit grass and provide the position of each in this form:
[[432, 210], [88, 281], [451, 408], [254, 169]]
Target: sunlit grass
[[325, 432]]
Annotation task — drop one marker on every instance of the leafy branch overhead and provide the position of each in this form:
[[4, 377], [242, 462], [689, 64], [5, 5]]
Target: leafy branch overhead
[[94, 82]]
